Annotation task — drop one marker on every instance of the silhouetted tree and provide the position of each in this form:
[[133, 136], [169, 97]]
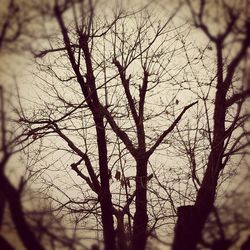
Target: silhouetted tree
[[227, 28], [116, 105], [118, 69], [15, 18]]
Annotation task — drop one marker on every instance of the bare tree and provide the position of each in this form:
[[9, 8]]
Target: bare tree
[[113, 86], [9, 193], [15, 17], [11, 26], [114, 71], [225, 127]]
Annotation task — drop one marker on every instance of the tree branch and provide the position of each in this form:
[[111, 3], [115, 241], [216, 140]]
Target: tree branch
[[84, 156], [238, 97], [119, 132], [74, 166], [125, 83], [166, 132]]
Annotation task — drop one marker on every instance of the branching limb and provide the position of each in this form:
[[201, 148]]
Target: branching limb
[[167, 131]]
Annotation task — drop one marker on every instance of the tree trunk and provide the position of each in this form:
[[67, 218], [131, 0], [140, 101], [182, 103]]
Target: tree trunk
[[2, 207], [184, 235], [246, 244], [120, 232], [141, 218], [105, 195], [191, 219], [24, 231], [4, 244]]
